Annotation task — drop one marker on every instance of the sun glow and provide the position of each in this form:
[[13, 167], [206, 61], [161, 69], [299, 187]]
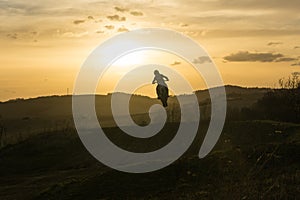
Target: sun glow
[[134, 58], [149, 59]]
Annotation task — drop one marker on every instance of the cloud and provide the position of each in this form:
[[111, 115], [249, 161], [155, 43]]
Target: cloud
[[123, 29], [28, 35], [245, 56], [119, 9], [116, 18], [227, 33], [286, 59], [136, 13], [12, 36], [176, 63], [275, 4], [109, 27], [297, 47], [274, 43], [184, 25], [296, 64], [202, 59], [78, 21], [90, 17]]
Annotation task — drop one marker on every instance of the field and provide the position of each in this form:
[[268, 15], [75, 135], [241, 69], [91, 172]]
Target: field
[[43, 158]]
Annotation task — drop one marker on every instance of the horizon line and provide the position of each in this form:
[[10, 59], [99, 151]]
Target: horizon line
[[135, 94]]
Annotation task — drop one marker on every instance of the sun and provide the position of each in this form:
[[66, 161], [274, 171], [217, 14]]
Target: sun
[[132, 59]]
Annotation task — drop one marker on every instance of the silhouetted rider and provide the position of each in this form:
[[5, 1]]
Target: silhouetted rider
[[160, 80]]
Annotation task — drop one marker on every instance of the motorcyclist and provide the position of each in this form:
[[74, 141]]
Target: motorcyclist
[[160, 80]]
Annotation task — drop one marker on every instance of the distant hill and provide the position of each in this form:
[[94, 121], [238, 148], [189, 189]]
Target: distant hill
[[237, 96], [34, 115], [60, 106]]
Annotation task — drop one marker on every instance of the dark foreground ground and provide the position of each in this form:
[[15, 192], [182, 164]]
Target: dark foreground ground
[[252, 160]]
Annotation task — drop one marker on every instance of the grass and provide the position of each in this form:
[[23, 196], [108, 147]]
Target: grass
[[250, 161]]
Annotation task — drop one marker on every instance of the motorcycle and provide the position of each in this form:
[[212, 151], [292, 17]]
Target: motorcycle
[[163, 94]]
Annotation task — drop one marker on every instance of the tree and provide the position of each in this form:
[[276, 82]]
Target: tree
[[282, 104]]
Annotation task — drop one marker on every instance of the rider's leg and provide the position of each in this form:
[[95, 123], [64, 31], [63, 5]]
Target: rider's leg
[[157, 91], [167, 91]]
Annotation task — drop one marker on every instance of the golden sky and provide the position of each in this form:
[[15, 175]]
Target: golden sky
[[45, 42]]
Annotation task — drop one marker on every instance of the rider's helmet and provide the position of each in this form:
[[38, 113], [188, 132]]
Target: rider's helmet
[[156, 72]]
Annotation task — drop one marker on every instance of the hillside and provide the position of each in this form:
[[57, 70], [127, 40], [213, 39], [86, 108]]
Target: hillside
[[42, 156], [250, 161], [60, 106], [22, 118]]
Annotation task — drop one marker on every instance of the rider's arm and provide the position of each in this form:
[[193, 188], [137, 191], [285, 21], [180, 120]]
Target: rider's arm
[[153, 80], [167, 79]]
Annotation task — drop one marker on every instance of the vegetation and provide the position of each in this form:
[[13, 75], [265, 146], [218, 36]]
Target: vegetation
[[256, 156], [250, 161], [279, 104]]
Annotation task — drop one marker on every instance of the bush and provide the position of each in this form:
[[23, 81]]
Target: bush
[[279, 104]]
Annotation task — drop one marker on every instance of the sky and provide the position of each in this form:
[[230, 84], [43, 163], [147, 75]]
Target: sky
[[44, 43]]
